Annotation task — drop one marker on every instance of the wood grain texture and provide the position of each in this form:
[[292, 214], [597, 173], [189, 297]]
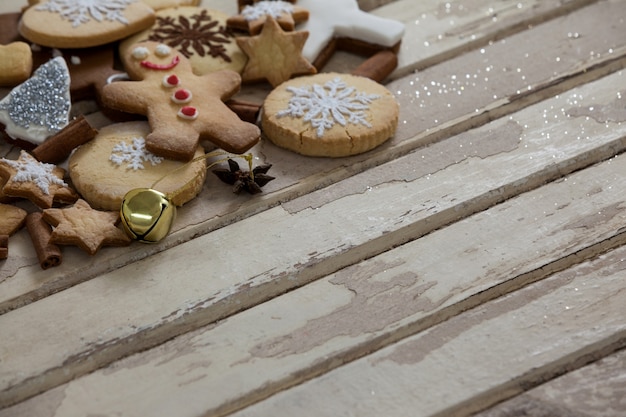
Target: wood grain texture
[[475, 256], [478, 358], [368, 306], [435, 104], [513, 158]]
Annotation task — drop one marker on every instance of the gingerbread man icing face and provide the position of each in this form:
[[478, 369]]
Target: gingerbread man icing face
[[182, 108]]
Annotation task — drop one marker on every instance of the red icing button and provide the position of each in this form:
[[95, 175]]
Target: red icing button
[[182, 96], [171, 81], [188, 112]]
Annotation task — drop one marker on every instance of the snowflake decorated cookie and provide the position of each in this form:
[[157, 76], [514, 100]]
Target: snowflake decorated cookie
[[182, 108], [198, 33], [39, 182], [330, 114], [253, 16], [84, 23], [117, 161]]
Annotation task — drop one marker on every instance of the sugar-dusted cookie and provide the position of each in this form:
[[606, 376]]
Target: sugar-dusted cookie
[[40, 106], [182, 108], [274, 55], [12, 218], [198, 33], [333, 19], [39, 182], [16, 63], [82, 226], [116, 161], [329, 114], [83, 23], [253, 16]]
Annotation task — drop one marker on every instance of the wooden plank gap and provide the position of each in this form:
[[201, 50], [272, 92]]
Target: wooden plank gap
[[488, 38], [539, 376], [399, 334]]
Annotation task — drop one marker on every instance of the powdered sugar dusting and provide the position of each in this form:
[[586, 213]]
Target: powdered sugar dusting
[[31, 170], [266, 8]]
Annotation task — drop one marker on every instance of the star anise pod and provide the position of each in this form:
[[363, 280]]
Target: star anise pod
[[244, 180]]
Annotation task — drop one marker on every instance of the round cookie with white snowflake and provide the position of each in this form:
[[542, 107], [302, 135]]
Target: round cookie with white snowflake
[[83, 23], [116, 161], [329, 115], [198, 33]]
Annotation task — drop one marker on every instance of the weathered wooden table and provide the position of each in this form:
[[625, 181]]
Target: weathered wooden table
[[476, 263]]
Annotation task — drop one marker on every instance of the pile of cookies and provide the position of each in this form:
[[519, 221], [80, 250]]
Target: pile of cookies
[[165, 72]]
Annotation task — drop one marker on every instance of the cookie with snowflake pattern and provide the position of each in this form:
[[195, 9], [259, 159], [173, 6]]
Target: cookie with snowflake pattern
[[39, 182], [84, 23], [116, 161], [330, 115], [198, 33]]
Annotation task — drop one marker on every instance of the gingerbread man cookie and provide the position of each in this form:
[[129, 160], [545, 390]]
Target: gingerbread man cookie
[[182, 108]]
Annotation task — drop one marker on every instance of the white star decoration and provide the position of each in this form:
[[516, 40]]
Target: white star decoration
[[29, 169], [343, 18]]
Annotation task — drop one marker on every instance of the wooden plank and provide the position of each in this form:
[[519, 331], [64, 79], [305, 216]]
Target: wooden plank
[[154, 299], [597, 389], [412, 289], [480, 357], [462, 103]]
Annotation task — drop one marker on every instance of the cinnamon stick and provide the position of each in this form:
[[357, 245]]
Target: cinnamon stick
[[378, 66], [247, 111], [49, 254], [4, 246], [58, 147]]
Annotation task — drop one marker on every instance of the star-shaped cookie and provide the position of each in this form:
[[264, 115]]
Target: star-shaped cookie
[[39, 182], [82, 226], [253, 16], [274, 55], [12, 218]]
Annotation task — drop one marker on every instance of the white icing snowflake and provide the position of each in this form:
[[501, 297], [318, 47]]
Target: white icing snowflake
[[325, 105], [82, 11], [266, 8], [135, 154], [31, 170]]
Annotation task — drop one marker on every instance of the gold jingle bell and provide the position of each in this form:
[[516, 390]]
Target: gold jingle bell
[[147, 215]]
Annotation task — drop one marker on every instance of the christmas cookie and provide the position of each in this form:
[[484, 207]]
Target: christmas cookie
[[330, 115], [330, 20], [182, 108], [200, 34], [12, 218], [16, 63], [164, 4], [253, 16], [82, 226], [39, 182], [274, 55], [116, 161], [84, 23], [40, 106]]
